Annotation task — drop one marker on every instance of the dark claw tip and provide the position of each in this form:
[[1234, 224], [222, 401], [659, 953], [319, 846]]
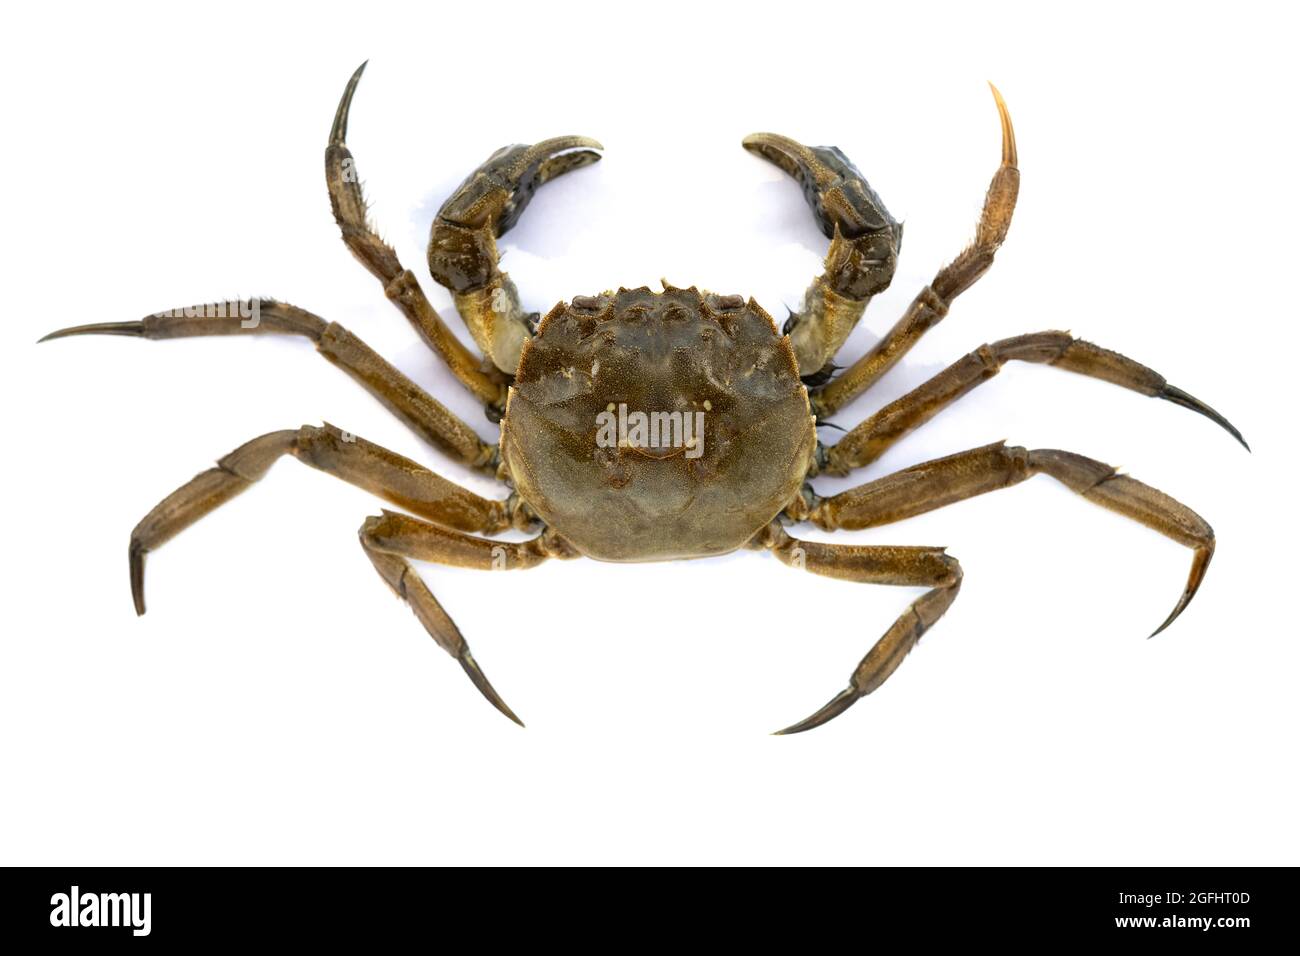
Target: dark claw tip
[[832, 709], [1179, 397], [1200, 562], [100, 328], [339, 131], [485, 688], [135, 556]]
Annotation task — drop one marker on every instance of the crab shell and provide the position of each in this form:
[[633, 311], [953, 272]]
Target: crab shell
[[676, 351]]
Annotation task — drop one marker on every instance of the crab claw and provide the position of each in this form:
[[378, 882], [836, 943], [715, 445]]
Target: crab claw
[[462, 252], [860, 263], [838, 194], [499, 190]]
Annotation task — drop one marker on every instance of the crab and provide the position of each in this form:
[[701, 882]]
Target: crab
[[640, 425]]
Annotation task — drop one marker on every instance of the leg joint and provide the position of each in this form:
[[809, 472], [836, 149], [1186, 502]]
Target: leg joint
[[253, 459]]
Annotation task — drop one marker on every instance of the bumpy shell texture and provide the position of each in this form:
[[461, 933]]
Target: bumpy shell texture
[[718, 363]]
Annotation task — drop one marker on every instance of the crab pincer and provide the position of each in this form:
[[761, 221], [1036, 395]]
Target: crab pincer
[[865, 240], [463, 252]]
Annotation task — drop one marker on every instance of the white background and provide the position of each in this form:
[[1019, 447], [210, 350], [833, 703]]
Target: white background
[[277, 704]]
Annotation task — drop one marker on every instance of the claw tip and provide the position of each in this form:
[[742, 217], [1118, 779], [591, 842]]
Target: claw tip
[[1176, 395], [135, 329], [1200, 562], [1009, 155], [135, 557], [485, 688], [830, 710]]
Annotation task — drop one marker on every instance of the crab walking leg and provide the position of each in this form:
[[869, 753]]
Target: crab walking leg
[[943, 481], [463, 239], [952, 280], [355, 460], [389, 539], [400, 284], [863, 252], [875, 564], [869, 440], [422, 413]]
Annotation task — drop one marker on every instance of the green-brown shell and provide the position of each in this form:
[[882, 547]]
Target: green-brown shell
[[675, 351]]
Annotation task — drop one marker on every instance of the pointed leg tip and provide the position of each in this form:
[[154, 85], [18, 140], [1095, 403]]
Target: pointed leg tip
[[1001, 103], [1009, 154], [485, 687], [808, 723], [64, 333], [1235, 434], [339, 131], [1173, 616], [1200, 563], [135, 559], [1171, 393], [501, 705], [1230, 428], [134, 329], [356, 74], [829, 711]]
